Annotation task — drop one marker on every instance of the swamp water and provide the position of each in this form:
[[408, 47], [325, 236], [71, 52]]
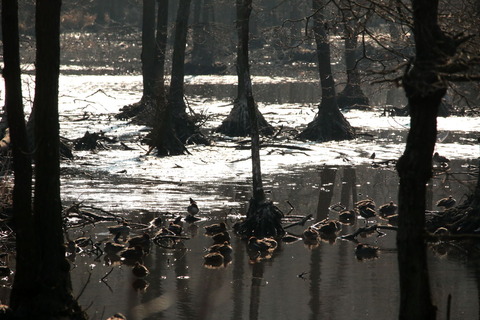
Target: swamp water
[[299, 281]]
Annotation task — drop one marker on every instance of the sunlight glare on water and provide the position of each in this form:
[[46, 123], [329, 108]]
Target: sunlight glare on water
[[299, 281]]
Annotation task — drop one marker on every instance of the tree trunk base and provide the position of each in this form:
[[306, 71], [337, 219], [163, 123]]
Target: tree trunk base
[[237, 123], [328, 126], [351, 97], [141, 112], [263, 220]]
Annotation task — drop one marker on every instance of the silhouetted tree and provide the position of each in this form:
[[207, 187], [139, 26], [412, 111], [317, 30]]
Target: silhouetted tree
[[143, 110], [238, 121], [184, 126], [43, 285], [425, 84], [329, 123], [22, 191], [263, 218], [148, 50], [352, 94]]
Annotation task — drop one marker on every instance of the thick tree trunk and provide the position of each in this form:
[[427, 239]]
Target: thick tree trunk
[[183, 125], [22, 168], [144, 110], [237, 123], [163, 136], [53, 294], [329, 124], [160, 52], [424, 88], [173, 127]]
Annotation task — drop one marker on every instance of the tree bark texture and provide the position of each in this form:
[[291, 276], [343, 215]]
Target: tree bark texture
[[329, 124], [22, 168], [424, 88]]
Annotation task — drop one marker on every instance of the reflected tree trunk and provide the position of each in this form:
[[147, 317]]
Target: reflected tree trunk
[[349, 187], [325, 195], [257, 282], [329, 123], [238, 121], [315, 279], [183, 289], [238, 274]]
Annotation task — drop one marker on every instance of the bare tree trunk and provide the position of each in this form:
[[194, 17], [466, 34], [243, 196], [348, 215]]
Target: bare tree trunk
[[53, 294], [238, 122], [185, 127], [352, 94], [22, 168], [160, 52], [163, 136], [329, 124], [263, 218], [148, 49], [424, 88]]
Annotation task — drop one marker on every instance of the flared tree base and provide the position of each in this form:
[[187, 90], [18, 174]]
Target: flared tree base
[[328, 126], [263, 220], [352, 97], [141, 112], [237, 124]]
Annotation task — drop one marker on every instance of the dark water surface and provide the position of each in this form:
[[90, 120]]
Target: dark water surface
[[298, 282]]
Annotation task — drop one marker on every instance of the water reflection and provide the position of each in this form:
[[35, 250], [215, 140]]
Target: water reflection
[[297, 282], [255, 288], [325, 195]]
